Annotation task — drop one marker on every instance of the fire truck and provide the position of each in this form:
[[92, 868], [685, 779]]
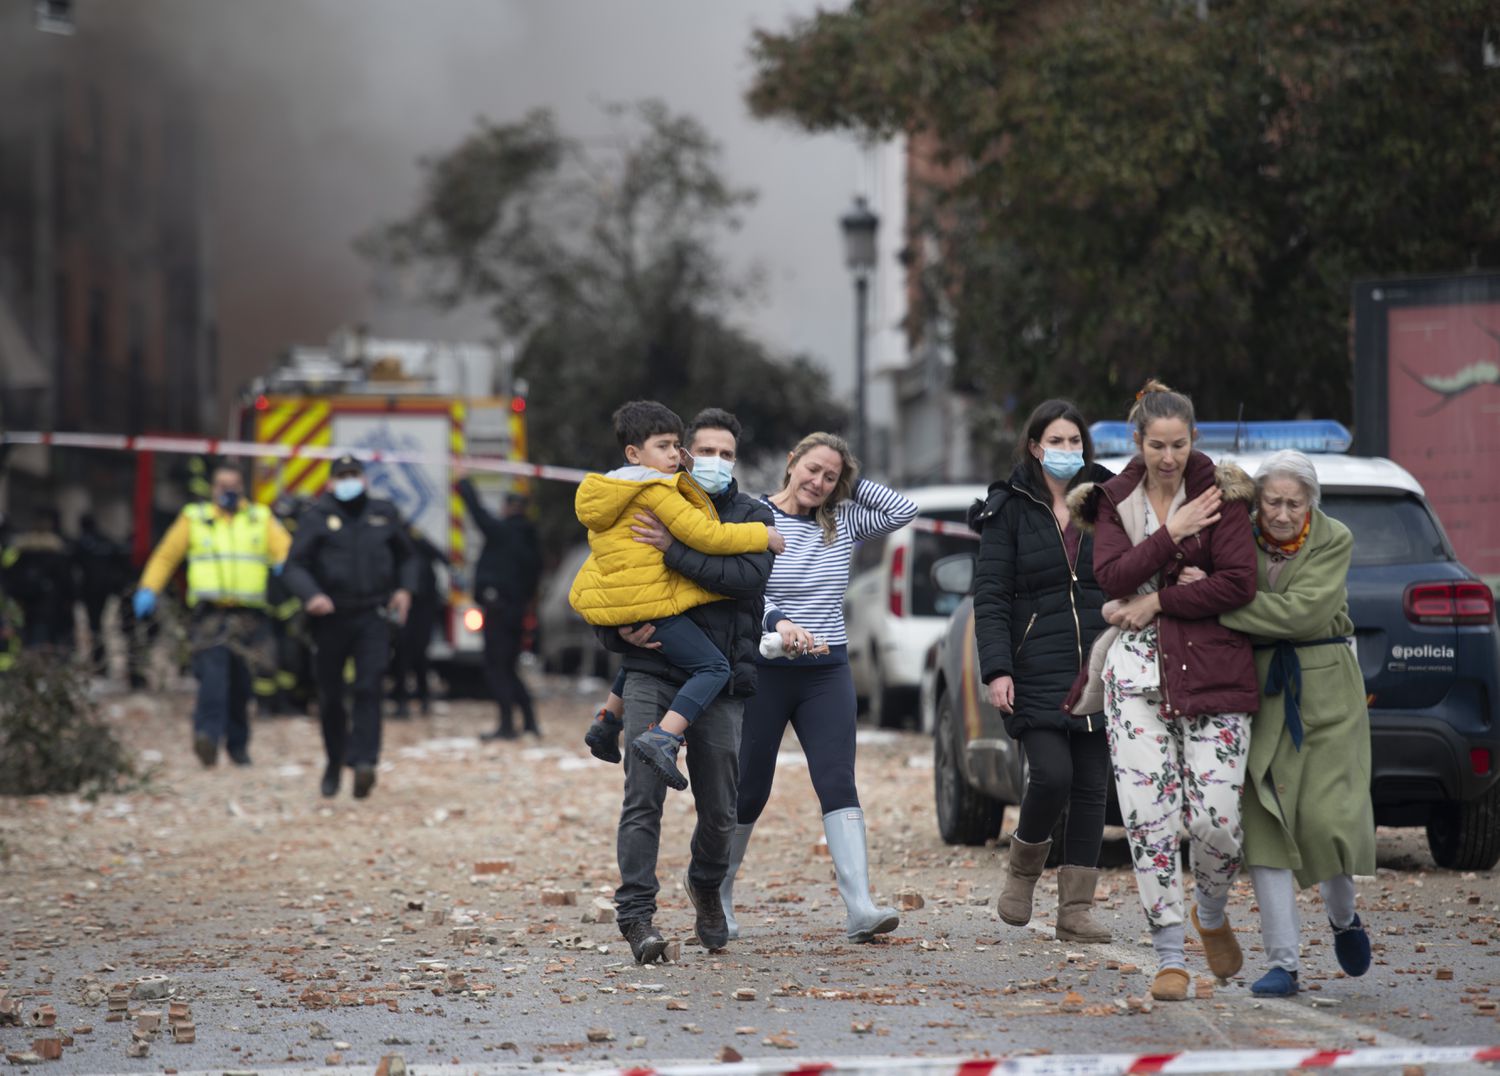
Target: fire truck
[[421, 402]]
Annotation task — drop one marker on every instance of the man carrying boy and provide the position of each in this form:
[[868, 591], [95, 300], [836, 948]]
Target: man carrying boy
[[713, 738], [624, 582]]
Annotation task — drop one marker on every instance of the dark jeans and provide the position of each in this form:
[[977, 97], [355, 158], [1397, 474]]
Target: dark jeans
[[222, 712], [1065, 770], [365, 637], [410, 654], [819, 705], [713, 768], [685, 646], [502, 648]]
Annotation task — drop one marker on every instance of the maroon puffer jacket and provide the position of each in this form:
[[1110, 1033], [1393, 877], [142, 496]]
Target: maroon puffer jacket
[[1206, 667]]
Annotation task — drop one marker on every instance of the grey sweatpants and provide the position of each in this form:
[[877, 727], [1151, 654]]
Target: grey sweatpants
[[1280, 932]]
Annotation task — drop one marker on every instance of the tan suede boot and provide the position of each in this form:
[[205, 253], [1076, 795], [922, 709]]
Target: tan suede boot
[[1170, 984], [1220, 948], [1022, 869], [1075, 902]]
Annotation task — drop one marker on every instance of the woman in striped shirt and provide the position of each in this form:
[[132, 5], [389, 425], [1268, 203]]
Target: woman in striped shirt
[[823, 508]]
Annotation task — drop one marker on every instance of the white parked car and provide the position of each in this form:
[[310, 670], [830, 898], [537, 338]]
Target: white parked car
[[893, 611]]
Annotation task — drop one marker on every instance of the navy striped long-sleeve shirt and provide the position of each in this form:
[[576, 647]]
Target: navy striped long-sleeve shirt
[[808, 581]]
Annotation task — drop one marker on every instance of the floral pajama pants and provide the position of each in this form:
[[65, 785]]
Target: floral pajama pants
[[1174, 771]]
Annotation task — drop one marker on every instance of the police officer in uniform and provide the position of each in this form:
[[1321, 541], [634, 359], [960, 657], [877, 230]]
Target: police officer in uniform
[[231, 547], [505, 582], [353, 566]]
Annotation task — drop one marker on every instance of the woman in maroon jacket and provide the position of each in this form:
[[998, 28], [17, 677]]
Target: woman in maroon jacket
[[1176, 685]]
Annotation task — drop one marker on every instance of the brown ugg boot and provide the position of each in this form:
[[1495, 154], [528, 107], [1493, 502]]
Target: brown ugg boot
[[1220, 948], [1022, 869], [1075, 902], [1170, 984]]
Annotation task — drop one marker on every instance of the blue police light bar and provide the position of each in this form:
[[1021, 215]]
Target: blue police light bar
[[1305, 435]]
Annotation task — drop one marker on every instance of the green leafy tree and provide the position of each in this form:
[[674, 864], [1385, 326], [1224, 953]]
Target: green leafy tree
[[601, 259], [1127, 187]]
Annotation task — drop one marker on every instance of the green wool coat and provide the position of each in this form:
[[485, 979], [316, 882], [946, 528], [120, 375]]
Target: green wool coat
[[1309, 811]]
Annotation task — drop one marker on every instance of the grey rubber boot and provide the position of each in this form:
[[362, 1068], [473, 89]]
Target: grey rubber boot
[[737, 845], [1022, 869], [851, 864], [1075, 906]]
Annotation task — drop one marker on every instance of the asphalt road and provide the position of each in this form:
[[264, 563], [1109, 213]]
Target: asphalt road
[[308, 933]]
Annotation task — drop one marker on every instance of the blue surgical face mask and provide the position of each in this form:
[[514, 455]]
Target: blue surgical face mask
[[229, 500], [346, 489], [712, 473], [1061, 465]]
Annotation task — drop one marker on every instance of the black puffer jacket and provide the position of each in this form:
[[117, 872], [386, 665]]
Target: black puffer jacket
[[732, 625], [1035, 616]]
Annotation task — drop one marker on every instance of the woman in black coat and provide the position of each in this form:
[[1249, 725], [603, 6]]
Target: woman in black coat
[[1037, 612]]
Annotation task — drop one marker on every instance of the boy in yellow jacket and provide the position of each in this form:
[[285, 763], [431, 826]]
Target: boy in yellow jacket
[[625, 581]]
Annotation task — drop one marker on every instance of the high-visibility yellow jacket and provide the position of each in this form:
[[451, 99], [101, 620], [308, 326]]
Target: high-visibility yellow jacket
[[229, 554], [625, 581]]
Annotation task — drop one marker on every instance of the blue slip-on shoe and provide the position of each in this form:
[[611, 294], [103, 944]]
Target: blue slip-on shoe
[[657, 748], [1276, 983], [1351, 945], [603, 736]]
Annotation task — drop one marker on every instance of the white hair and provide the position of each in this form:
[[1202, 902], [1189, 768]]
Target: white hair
[[1289, 463]]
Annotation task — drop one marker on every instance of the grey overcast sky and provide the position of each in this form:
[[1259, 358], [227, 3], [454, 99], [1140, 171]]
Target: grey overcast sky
[[318, 109]]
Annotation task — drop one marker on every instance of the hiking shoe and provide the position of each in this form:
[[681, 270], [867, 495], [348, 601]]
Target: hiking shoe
[[239, 756], [330, 785], [646, 943], [498, 734], [657, 748], [207, 750], [1276, 983], [603, 736], [364, 780], [712, 927], [1351, 945]]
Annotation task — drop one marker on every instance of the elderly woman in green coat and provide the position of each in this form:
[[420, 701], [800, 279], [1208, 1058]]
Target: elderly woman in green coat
[[1307, 814]]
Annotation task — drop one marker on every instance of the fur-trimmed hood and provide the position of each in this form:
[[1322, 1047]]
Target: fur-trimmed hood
[[981, 511], [1230, 477]]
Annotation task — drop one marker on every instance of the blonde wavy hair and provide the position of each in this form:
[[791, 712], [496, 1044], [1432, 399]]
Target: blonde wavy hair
[[843, 489]]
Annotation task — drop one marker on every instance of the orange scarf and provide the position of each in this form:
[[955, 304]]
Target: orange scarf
[[1283, 549]]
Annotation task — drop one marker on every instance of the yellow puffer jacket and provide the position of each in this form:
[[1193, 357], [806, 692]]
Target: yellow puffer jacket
[[625, 581]]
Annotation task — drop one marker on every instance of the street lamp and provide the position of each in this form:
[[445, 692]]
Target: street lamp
[[860, 225]]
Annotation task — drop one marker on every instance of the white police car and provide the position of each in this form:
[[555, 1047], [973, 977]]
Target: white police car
[[1425, 632]]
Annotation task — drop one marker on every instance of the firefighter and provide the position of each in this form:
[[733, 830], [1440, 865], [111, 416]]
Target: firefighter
[[103, 568], [39, 578], [409, 654], [10, 611], [353, 566], [231, 546], [285, 690]]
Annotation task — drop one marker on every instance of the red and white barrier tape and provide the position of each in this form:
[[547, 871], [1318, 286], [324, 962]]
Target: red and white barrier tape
[[1189, 1061], [201, 446], [197, 446]]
